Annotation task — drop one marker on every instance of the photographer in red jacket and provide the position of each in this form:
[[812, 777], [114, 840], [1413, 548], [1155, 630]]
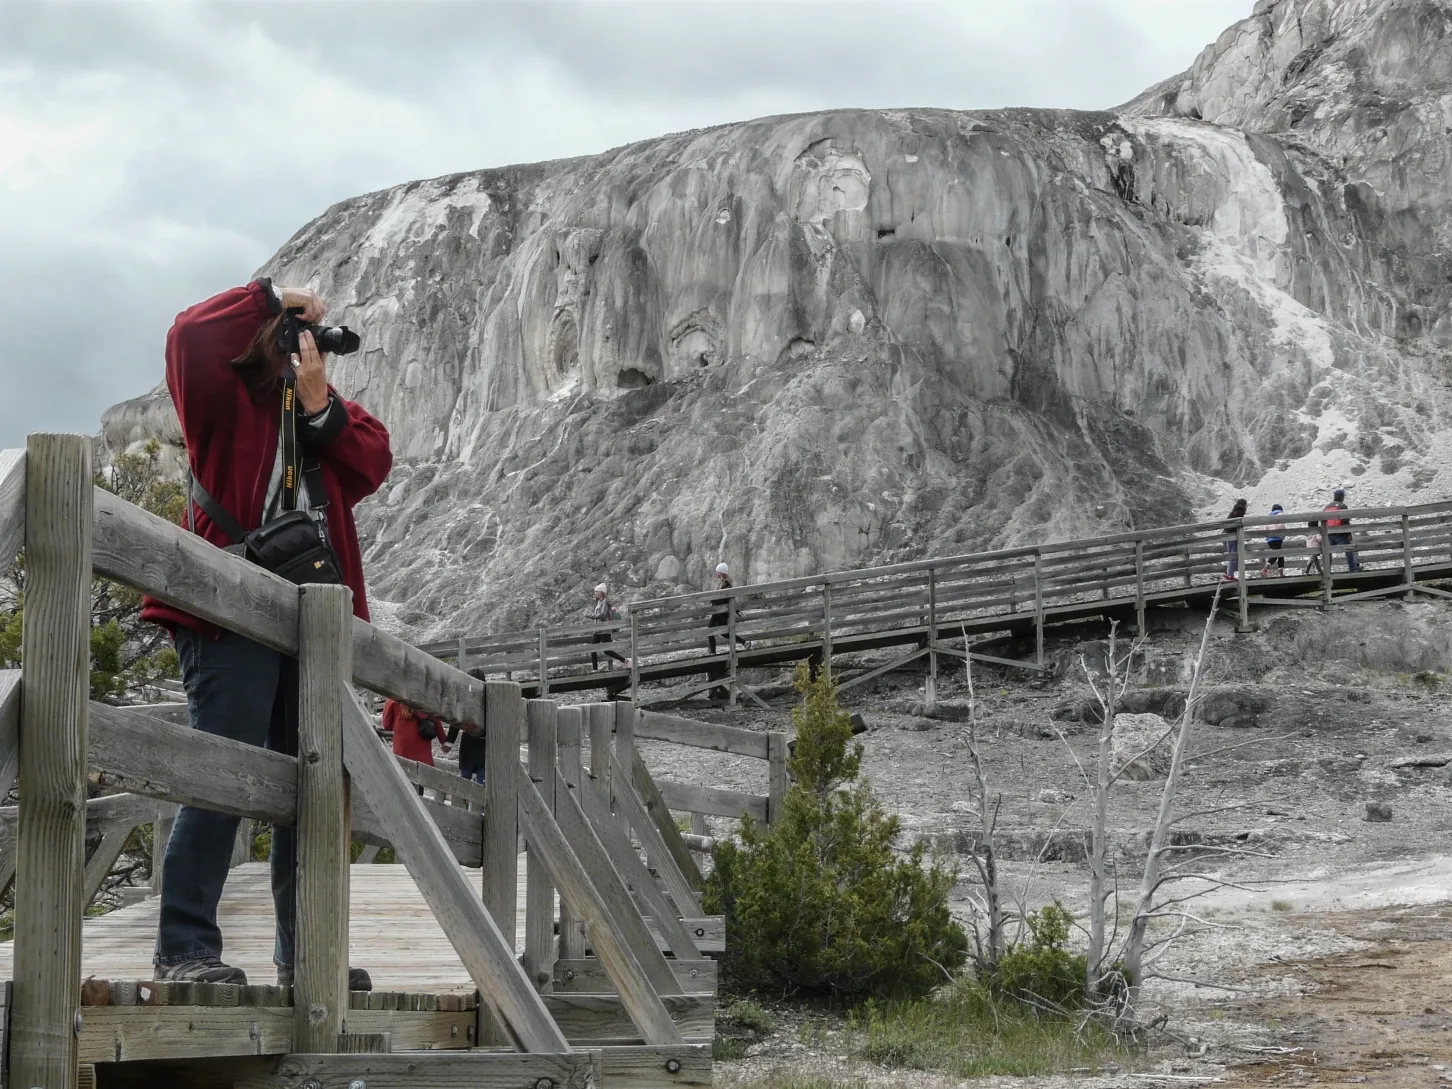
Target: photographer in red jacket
[[247, 404]]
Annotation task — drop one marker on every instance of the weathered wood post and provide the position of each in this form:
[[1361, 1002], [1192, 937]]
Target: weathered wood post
[[930, 694], [1325, 564], [777, 778], [325, 664], [544, 667], [731, 651], [1407, 576], [827, 628], [539, 894], [463, 655], [1139, 588], [634, 658], [1242, 623], [504, 712], [600, 719], [54, 719], [1038, 612], [572, 929]]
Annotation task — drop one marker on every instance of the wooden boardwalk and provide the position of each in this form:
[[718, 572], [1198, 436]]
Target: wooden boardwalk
[[935, 607], [391, 932]]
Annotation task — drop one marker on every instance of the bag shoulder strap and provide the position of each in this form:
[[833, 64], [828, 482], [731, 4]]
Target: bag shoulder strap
[[213, 510]]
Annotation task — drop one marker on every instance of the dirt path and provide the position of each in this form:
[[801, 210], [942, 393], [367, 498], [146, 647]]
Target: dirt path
[[1380, 1016]]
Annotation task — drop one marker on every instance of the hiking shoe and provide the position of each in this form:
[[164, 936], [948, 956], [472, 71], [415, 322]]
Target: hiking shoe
[[200, 970], [358, 978]]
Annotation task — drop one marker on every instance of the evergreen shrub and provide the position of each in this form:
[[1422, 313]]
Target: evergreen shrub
[[820, 902]]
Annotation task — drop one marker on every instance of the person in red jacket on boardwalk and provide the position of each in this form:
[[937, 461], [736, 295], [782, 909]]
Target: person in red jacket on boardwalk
[[224, 368], [414, 733]]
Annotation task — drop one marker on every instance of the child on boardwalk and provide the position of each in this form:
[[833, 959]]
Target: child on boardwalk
[[1275, 536], [1313, 542]]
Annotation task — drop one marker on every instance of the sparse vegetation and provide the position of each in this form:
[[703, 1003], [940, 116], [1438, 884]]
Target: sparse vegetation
[[966, 1030], [821, 903]]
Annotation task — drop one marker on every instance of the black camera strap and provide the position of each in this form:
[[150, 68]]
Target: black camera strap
[[308, 474]]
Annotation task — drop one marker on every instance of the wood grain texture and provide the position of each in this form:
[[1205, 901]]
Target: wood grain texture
[[539, 897], [469, 926], [778, 777], [615, 838], [655, 806], [442, 1070], [600, 1020], [715, 801], [631, 812], [569, 735], [588, 976], [686, 1067], [454, 786], [9, 730], [134, 751], [12, 505], [50, 852], [583, 874], [183, 570], [320, 990], [504, 711], [655, 726]]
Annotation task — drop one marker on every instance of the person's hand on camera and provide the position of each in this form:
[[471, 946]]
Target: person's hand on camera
[[312, 304], [312, 378]]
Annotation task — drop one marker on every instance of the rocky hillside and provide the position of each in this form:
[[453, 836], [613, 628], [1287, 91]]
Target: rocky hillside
[[809, 342]]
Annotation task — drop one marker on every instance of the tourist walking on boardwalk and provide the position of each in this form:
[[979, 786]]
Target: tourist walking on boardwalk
[[721, 618], [1236, 513], [1340, 537], [414, 733], [471, 752], [1275, 538], [266, 437], [1313, 542], [603, 613]]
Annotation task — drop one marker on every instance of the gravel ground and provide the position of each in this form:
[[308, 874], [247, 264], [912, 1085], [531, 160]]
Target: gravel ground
[[1318, 716]]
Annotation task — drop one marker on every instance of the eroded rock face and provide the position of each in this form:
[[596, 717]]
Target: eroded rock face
[[820, 341]]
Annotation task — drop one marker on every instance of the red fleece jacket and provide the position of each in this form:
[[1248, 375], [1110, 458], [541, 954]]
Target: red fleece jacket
[[231, 439], [404, 722]]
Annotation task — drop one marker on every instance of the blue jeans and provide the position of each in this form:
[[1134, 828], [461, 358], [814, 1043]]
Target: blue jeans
[[1342, 540], [1232, 547], [476, 774], [240, 690]]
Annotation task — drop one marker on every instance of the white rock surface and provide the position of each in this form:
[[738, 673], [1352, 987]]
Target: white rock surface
[[818, 341], [1142, 746]]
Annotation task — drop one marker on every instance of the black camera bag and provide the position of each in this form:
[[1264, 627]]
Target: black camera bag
[[295, 544]]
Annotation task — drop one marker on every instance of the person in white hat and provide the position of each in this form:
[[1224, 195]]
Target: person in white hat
[[722, 616], [603, 613]]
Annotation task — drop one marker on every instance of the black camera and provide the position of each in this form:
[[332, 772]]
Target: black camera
[[337, 339]]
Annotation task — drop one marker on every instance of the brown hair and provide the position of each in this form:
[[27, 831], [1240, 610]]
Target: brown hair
[[260, 366]]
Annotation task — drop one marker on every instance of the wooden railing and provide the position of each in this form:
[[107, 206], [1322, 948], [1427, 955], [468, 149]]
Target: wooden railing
[[606, 983], [936, 604]]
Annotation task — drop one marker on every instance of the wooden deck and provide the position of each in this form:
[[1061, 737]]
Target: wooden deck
[[391, 932]]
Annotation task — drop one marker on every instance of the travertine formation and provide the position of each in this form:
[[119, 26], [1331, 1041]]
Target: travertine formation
[[810, 342]]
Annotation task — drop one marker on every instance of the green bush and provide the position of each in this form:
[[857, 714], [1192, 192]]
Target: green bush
[[820, 903], [1043, 974], [969, 1031]]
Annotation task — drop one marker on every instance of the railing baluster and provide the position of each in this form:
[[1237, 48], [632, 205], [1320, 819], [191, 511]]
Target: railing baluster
[[325, 665], [572, 933], [539, 894], [54, 720]]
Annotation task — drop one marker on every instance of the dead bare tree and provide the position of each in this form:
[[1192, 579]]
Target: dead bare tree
[[990, 950], [1100, 888]]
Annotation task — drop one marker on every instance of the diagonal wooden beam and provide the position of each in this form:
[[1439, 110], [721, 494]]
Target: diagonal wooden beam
[[12, 504], [458, 909], [579, 868], [660, 816], [101, 861], [615, 838], [9, 728]]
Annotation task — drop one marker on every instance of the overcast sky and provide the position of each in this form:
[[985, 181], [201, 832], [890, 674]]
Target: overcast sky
[[154, 153]]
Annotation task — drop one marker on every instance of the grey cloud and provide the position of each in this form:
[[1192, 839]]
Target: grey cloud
[[214, 161]]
